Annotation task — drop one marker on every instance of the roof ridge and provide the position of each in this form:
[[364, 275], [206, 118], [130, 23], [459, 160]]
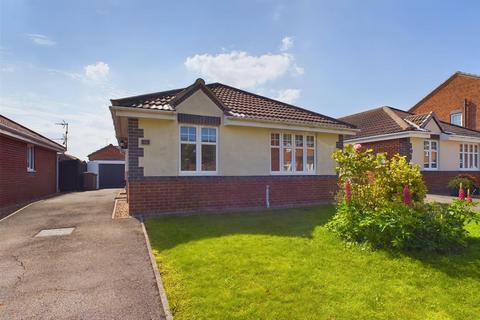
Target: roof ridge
[[362, 112], [395, 117], [34, 132]]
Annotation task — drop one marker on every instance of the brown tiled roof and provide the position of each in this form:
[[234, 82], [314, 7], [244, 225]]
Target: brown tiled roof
[[10, 127], [240, 104], [386, 120]]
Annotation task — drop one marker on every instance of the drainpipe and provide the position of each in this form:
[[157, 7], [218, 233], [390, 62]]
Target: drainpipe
[[267, 196], [465, 113]]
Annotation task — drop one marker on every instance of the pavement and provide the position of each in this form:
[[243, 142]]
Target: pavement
[[100, 271]]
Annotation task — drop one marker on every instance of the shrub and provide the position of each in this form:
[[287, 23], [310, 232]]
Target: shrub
[[467, 181], [377, 215]]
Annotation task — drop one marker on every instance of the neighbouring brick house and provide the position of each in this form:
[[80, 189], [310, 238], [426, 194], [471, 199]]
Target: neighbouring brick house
[[109, 165], [215, 147], [442, 150], [457, 101], [28, 164]]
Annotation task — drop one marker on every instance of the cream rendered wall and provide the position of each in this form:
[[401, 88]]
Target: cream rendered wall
[[242, 151], [448, 152]]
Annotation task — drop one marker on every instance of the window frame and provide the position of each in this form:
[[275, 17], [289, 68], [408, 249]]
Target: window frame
[[198, 150], [457, 113], [30, 158], [293, 147], [467, 154], [429, 168]]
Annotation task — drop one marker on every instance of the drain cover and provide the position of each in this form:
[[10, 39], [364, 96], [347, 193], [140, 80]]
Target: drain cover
[[55, 232]]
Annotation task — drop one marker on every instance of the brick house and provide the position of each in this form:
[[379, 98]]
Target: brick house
[[215, 147], [28, 164], [442, 150], [109, 165], [457, 101]]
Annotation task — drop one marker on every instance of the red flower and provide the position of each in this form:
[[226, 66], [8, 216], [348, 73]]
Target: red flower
[[348, 191], [357, 147], [407, 198], [461, 193]]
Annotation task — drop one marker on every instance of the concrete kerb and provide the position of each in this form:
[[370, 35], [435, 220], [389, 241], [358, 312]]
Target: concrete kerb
[[161, 289]]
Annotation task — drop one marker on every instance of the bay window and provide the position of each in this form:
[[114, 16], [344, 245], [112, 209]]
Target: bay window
[[198, 150], [430, 154], [292, 153], [469, 156]]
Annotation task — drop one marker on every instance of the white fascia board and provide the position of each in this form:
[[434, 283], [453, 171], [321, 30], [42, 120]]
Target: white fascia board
[[107, 161], [128, 112], [390, 136], [229, 121], [454, 137]]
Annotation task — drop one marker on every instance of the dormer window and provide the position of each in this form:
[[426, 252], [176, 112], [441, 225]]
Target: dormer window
[[456, 118]]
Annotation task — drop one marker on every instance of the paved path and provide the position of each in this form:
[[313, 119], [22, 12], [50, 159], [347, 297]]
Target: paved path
[[100, 271]]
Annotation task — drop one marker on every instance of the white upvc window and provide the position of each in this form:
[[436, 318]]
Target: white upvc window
[[30, 158], [198, 150], [456, 118], [292, 153], [469, 156], [430, 155]]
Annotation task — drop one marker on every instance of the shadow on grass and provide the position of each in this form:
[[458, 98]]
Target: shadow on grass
[[168, 232]]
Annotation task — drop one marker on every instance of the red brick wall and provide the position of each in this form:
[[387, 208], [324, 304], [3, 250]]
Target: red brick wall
[[391, 147], [437, 181], [189, 194], [451, 97], [16, 184], [110, 152]]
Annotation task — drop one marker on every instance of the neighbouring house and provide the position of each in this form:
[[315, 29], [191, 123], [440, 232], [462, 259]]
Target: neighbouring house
[[28, 164], [441, 149], [456, 101], [109, 165], [70, 173], [215, 147]]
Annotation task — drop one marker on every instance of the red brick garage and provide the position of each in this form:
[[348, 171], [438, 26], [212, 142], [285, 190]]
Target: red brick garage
[[28, 164]]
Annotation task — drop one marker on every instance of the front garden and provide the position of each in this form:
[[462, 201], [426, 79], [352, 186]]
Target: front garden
[[380, 253]]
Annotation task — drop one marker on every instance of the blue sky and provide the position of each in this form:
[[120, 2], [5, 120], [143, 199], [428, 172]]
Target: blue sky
[[66, 59]]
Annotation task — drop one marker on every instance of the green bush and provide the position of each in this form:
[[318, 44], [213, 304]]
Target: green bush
[[467, 181], [376, 214]]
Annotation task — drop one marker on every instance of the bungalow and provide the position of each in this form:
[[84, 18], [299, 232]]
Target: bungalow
[[215, 147], [442, 150], [28, 164]]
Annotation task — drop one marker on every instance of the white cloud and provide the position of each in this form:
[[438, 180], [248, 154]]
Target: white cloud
[[97, 71], [41, 40], [241, 69], [287, 44], [288, 95]]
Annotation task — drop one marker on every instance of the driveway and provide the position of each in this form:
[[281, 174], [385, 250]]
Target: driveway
[[100, 271]]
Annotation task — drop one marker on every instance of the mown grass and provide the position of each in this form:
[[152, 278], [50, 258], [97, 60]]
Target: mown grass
[[286, 265]]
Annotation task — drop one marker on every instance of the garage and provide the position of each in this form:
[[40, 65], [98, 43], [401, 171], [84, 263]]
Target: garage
[[111, 175]]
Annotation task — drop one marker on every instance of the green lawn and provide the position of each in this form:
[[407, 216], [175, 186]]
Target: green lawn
[[286, 265]]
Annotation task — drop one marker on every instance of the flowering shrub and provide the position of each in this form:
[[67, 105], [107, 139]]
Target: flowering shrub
[[380, 202]]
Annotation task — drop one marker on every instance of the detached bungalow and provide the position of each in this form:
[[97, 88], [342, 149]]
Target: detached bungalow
[[442, 150], [28, 164], [215, 147]]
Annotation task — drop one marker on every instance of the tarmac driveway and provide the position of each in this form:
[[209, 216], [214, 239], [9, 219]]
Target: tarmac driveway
[[100, 271]]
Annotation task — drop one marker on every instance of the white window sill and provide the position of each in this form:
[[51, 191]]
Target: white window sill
[[31, 170], [469, 169], [430, 169], [200, 174], [292, 173]]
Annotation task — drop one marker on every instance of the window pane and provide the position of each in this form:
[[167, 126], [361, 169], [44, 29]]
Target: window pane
[[471, 160], [434, 145], [287, 140], [310, 160], [434, 160], [426, 145], [275, 154], [287, 159], [456, 118], [461, 160], [298, 141], [298, 159], [275, 139], [209, 135], [188, 134], [310, 141], [426, 159], [188, 157], [461, 147], [209, 152]]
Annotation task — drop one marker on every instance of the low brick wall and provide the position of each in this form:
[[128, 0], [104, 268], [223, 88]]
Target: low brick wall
[[153, 195], [437, 181]]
